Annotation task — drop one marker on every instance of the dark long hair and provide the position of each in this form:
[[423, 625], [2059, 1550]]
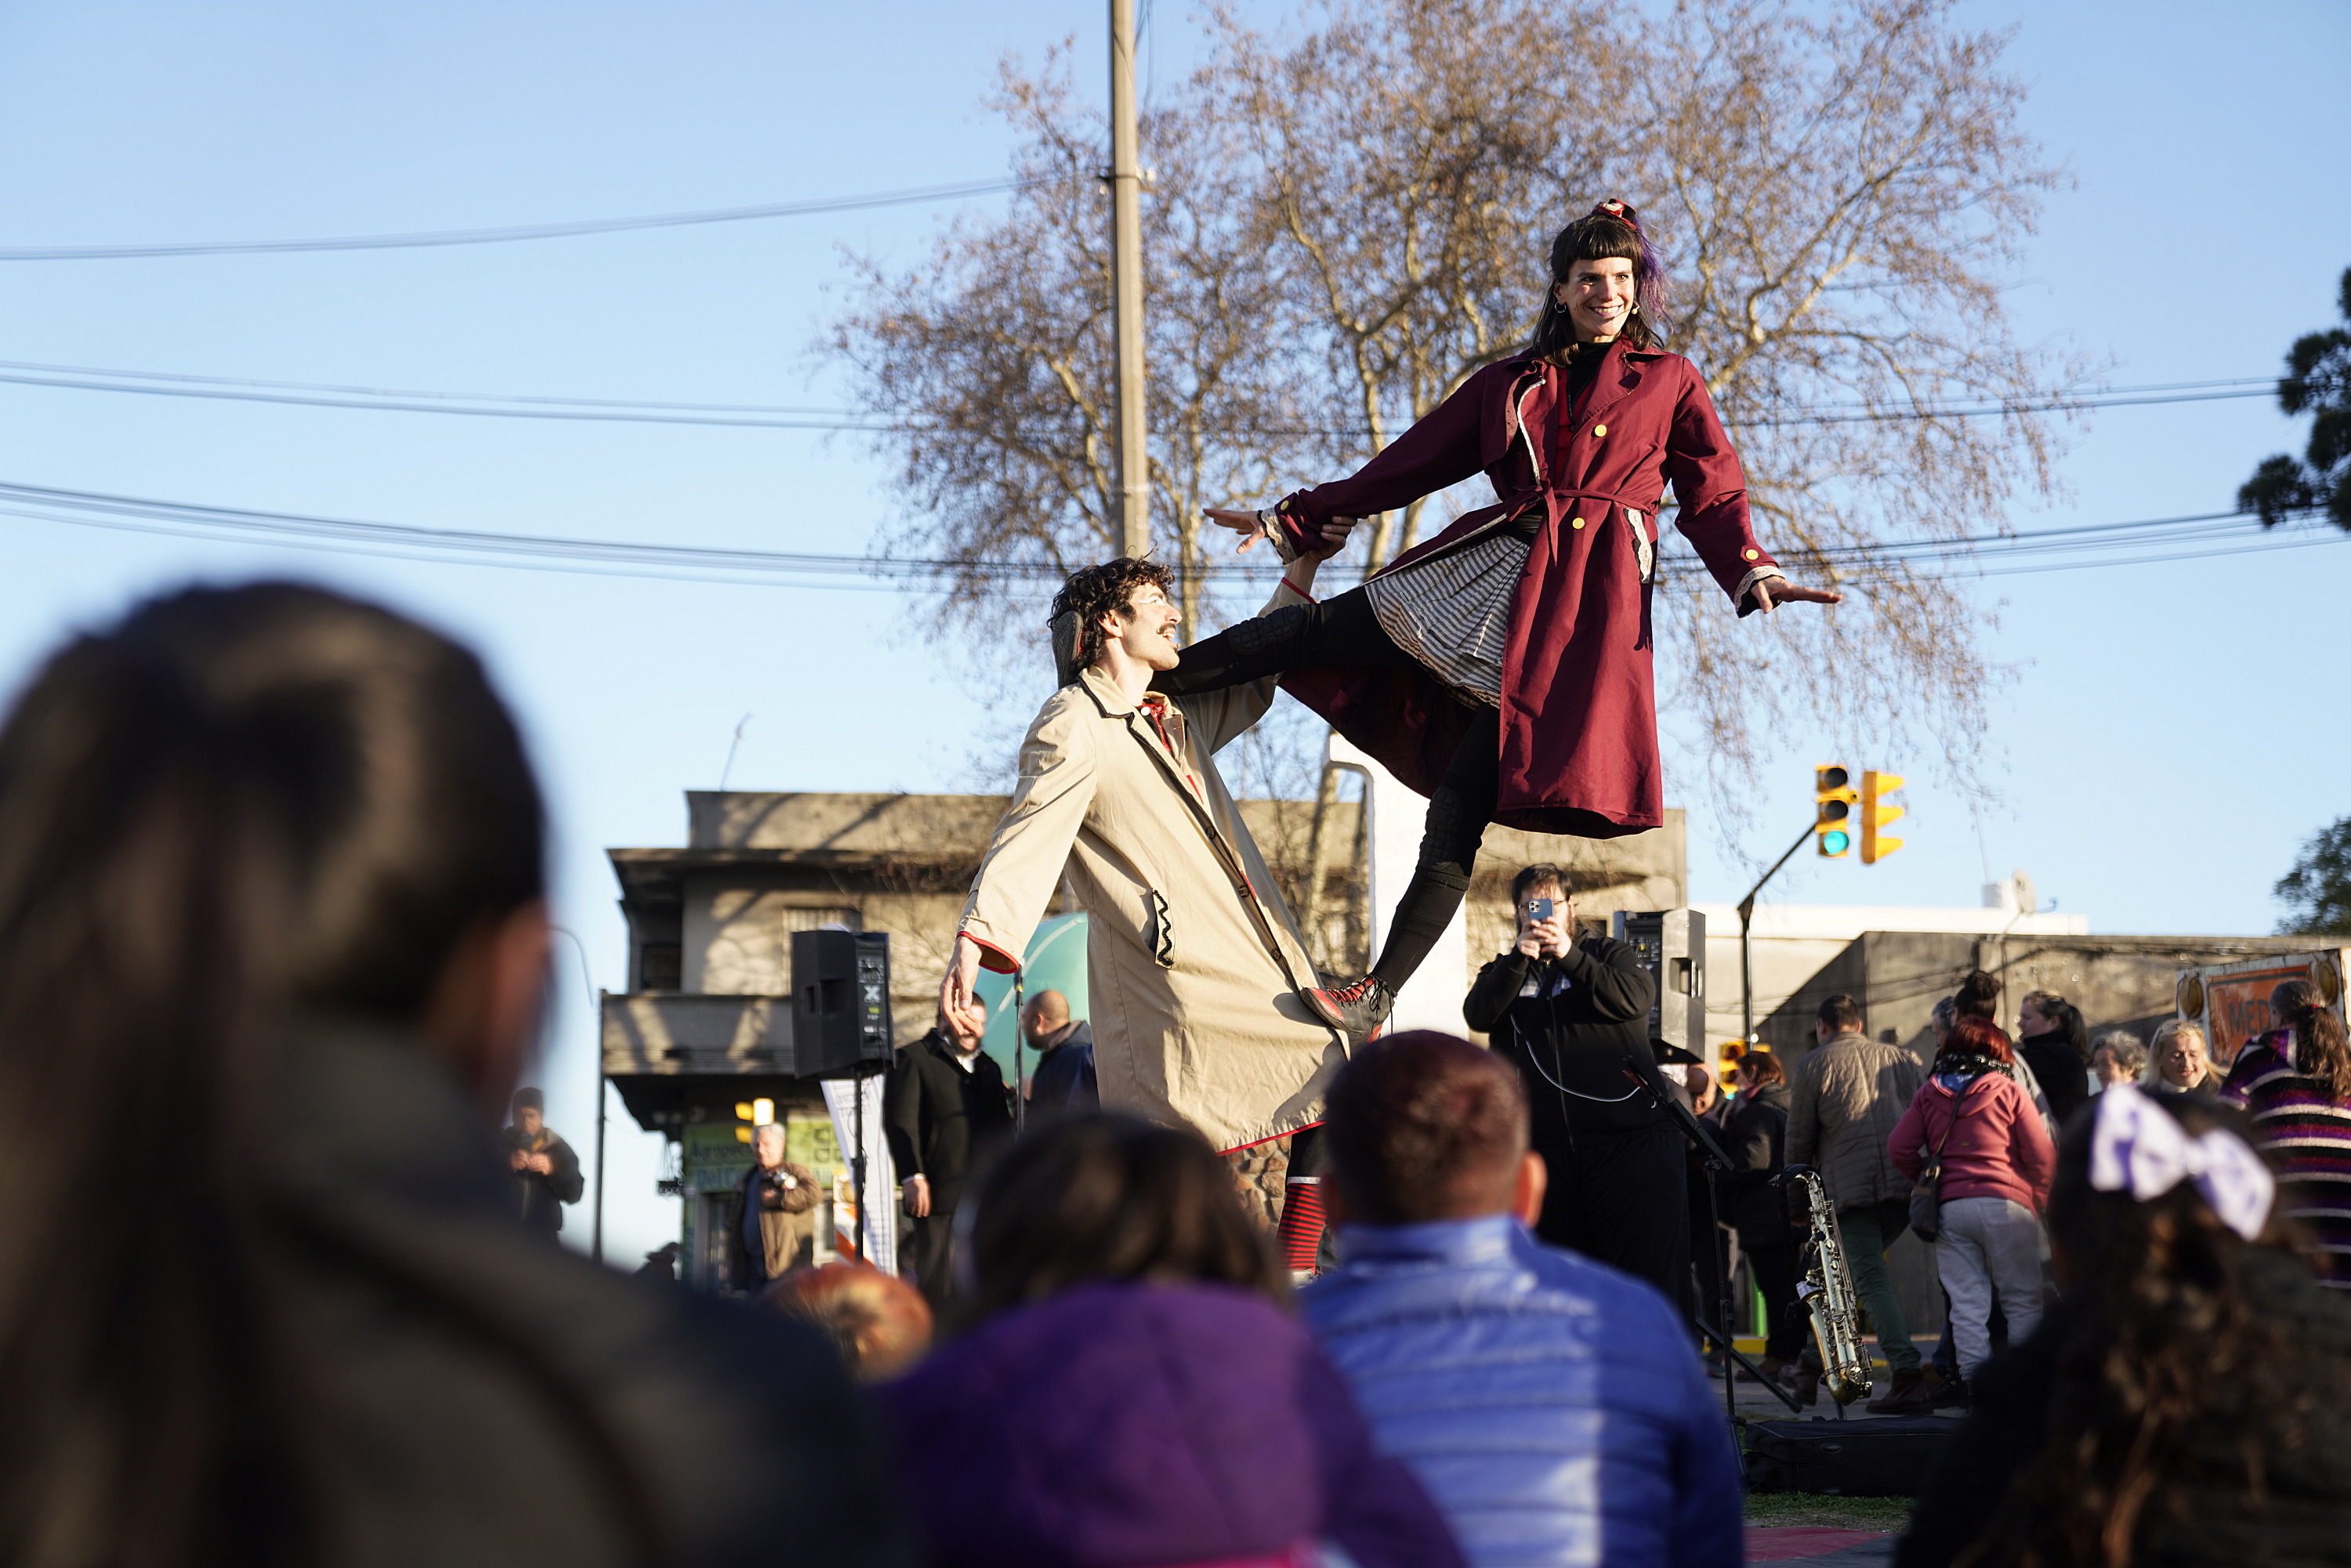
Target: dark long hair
[[2170, 1335], [1600, 236], [1109, 1195], [2066, 1018], [2321, 1053], [234, 806]]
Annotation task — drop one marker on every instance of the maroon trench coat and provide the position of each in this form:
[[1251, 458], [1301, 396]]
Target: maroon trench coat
[[1579, 732]]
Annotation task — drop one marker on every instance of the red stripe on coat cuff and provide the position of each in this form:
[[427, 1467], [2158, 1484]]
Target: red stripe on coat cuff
[[993, 958]]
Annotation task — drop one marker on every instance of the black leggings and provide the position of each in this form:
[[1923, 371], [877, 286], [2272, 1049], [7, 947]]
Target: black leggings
[[1345, 631]]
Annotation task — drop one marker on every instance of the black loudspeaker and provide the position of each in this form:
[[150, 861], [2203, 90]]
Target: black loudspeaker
[[841, 1003], [1672, 945]]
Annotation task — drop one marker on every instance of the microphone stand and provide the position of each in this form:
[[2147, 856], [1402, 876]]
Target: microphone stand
[[1717, 1164]]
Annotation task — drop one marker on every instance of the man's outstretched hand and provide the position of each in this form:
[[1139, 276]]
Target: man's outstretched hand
[[1780, 590], [963, 973], [1243, 521]]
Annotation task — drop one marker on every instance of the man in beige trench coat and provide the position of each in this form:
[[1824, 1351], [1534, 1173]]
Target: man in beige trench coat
[[1193, 961]]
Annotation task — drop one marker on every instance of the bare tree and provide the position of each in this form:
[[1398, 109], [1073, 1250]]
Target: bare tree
[[993, 364], [1414, 164], [1349, 222], [1843, 195]]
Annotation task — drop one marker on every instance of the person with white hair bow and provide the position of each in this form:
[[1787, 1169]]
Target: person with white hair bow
[[2188, 1400]]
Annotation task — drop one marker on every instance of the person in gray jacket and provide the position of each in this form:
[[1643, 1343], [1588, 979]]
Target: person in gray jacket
[[1551, 1404], [1843, 1100]]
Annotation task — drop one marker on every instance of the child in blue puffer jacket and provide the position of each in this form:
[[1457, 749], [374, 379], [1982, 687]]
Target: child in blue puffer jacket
[[1551, 1406]]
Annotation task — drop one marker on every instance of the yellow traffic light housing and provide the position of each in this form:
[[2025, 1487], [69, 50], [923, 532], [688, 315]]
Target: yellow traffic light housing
[[1876, 812], [1833, 801]]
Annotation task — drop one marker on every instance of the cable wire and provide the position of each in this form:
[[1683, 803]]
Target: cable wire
[[791, 416], [442, 238], [870, 574]]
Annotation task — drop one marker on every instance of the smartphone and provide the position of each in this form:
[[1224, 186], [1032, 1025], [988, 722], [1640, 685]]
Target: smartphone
[[1538, 910]]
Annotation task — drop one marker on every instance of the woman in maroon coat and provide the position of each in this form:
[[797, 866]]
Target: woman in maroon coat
[[1503, 668]]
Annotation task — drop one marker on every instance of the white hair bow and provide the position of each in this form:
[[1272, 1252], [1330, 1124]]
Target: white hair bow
[[2138, 1147]]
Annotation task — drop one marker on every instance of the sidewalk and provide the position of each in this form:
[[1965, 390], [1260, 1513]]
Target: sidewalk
[[1818, 1546]]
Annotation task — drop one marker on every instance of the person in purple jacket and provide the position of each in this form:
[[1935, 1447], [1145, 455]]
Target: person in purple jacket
[[1549, 1403], [1130, 1389]]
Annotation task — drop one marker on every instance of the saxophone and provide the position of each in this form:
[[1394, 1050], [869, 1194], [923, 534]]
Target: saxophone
[[1826, 1290]]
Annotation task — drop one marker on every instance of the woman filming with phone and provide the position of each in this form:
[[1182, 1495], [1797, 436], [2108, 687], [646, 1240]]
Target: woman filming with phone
[[1572, 1011]]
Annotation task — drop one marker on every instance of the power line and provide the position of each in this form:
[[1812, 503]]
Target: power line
[[442, 238], [791, 416], [702, 563]]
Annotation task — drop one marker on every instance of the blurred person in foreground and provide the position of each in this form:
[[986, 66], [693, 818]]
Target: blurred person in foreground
[[2294, 1082], [2177, 1060], [2187, 1399], [1550, 1403], [1064, 1078], [1996, 1161], [2118, 1057], [880, 1324], [1571, 1011], [774, 1211], [1844, 1099], [272, 885], [1755, 1136], [2051, 1035], [545, 1170], [944, 1110], [1130, 1387]]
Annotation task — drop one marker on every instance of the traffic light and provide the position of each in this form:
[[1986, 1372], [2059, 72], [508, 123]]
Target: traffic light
[[1876, 812], [758, 1112], [1833, 800]]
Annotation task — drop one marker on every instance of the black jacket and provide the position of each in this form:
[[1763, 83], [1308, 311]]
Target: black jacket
[[470, 1399], [2207, 1516], [943, 1122], [2064, 1078], [539, 1199], [1065, 1078], [1756, 1137], [1576, 1026]]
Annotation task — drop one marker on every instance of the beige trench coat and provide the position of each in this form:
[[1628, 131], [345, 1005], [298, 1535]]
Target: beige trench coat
[[1193, 962]]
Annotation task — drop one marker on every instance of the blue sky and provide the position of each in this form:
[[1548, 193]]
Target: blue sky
[[2170, 735]]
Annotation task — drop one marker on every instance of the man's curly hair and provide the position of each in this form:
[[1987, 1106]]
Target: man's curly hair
[[1095, 591]]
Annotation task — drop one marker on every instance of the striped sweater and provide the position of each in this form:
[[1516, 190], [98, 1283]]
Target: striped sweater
[[2307, 1136]]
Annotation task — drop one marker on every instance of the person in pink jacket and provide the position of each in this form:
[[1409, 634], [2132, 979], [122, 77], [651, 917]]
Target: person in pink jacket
[[1997, 1161]]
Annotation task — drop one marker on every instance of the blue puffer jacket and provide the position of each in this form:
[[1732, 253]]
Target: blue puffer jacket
[[1552, 1406]]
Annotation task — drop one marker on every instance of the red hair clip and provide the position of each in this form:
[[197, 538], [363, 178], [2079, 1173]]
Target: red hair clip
[[1614, 208]]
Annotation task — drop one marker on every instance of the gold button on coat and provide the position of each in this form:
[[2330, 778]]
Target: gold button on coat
[[1599, 430], [1575, 522]]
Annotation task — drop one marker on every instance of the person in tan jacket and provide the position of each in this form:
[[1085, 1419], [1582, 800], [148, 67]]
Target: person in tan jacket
[[1194, 963]]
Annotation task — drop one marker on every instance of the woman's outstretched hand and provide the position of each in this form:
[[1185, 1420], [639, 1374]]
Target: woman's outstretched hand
[[1779, 590], [1243, 521]]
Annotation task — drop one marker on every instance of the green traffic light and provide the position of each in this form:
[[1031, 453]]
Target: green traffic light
[[1836, 842]]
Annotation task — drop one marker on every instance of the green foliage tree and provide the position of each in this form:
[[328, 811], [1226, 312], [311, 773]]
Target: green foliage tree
[[2318, 889], [2317, 382]]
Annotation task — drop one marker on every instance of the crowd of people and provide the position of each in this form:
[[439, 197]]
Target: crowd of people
[[272, 888]]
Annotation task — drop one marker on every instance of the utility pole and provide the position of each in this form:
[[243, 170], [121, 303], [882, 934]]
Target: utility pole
[[1126, 283]]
